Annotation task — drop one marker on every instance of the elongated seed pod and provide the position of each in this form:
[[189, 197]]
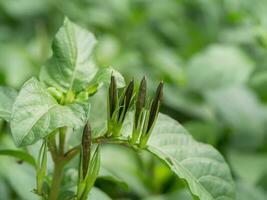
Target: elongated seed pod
[[113, 96], [86, 146], [155, 106], [129, 94], [126, 100], [140, 101]]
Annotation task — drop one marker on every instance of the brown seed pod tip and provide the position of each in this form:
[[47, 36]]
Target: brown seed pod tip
[[159, 92]]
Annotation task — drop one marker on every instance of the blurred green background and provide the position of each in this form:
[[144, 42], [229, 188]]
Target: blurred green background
[[211, 54]]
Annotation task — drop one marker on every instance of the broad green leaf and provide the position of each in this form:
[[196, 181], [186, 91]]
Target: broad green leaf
[[239, 109], [36, 114], [200, 165], [18, 154], [70, 67], [218, 66], [7, 98], [97, 194]]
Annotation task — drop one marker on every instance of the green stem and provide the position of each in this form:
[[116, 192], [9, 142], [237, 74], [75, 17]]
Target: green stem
[[59, 163], [119, 140], [62, 136], [52, 146], [57, 176]]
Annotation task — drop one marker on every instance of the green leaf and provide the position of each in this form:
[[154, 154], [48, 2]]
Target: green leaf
[[36, 114], [20, 155], [70, 68], [200, 165], [204, 169], [218, 66], [7, 98], [97, 194]]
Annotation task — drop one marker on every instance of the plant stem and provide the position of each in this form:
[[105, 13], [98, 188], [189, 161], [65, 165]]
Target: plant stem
[[52, 146], [62, 135], [59, 163], [57, 176]]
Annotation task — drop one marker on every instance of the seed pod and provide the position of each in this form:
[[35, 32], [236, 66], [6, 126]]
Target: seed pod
[[86, 146], [141, 100], [113, 96], [126, 100], [129, 94], [155, 107], [92, 174]]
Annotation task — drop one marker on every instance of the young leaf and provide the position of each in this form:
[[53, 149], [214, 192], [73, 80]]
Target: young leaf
[[70, 68], [36, 114], [7, 98], [200, 165]]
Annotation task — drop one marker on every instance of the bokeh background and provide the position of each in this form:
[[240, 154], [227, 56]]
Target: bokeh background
[[211, 54]]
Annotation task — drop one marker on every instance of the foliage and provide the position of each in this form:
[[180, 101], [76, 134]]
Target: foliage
[[212, 58]]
